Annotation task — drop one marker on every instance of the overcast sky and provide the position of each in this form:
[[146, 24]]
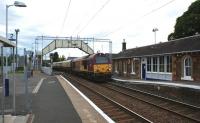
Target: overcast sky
[[116, 20]]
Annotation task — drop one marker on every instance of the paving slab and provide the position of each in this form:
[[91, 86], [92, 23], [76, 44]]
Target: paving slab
[[52, 105], [14, 119], [87, 110], [21, 115]]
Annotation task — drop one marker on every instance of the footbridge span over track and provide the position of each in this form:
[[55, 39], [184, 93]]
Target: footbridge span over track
[[71, 42]]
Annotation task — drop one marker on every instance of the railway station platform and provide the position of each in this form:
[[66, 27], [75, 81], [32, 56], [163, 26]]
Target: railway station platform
[[55, 100], [184, 84], [22, 113], [182, 91]]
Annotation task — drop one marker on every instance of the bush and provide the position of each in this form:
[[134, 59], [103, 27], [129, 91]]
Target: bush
[[20, 69]]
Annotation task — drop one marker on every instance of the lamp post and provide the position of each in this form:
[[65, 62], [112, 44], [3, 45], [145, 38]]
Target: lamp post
[[16, 4], [154, 30], [16, 31]]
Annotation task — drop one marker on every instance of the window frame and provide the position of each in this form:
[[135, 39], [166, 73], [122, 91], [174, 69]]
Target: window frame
[[116, 67], [133, 66], [168, 64], [161, 65], [155, 64], [188, 66], [124, 67], [149, 64], [186, 77]]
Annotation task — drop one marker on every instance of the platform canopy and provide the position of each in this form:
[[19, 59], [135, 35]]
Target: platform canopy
[[67, 43], [6, 43]]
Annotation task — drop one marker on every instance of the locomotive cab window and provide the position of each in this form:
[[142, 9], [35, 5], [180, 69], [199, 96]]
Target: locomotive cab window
[[101, 59]]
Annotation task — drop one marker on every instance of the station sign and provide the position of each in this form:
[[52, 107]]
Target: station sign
[[11, 37]]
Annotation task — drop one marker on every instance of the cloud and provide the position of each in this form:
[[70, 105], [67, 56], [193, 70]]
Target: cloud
[[118, 20]]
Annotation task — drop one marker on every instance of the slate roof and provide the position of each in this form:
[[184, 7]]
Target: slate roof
[[188, 44]]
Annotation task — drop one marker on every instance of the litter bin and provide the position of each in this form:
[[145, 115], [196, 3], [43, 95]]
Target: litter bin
[[6, 87]]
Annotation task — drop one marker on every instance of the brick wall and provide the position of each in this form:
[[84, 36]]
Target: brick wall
[[196, 66], [178, 65], [128, 73]]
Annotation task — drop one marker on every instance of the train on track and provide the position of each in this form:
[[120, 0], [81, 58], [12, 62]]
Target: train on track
[[97, 66]]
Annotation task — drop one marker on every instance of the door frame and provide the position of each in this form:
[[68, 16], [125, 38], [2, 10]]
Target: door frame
[[143, 71]]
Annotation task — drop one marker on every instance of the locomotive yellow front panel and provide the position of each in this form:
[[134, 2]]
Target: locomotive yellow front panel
[[102, 68]]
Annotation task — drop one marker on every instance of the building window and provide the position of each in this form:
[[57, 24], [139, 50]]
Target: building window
[[149, 64], [169, 64], [133, 67], [188, 66], [161, 64], [116, 66], [155, 64], [125, 66]]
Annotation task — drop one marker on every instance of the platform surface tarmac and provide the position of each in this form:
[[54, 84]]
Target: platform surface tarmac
[[52, 105]]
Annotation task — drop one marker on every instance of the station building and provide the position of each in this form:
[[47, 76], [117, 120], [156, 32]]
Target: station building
[[175, 60]]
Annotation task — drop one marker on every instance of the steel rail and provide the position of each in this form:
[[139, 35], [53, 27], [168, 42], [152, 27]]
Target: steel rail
[[182, 115], [114, 102], [156, 96]]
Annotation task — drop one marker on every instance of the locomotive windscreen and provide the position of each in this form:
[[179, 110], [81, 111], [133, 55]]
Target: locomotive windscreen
[[101, 59]]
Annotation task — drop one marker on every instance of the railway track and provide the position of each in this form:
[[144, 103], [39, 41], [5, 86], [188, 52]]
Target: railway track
[[179, 108], [115, 110], [155, 109]]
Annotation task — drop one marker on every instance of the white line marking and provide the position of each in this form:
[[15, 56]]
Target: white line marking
[[32, 119], [36, 89], [90, 102], [51, 82], [0, 87]]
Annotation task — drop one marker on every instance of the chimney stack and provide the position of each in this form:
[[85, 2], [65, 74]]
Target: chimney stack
[[123, 45]]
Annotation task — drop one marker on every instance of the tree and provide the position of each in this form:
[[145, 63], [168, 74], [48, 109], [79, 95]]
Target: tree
[[170, 36], [55, 57], [62, 58], [188, 24]]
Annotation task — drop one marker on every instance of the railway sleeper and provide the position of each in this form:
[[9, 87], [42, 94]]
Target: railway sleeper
[[195, 115], [116, 113], [112, 110], [108, 108], [129, 120], [122, 117]]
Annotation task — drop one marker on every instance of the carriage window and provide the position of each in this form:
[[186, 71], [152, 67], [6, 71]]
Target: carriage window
[[101, 59]]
